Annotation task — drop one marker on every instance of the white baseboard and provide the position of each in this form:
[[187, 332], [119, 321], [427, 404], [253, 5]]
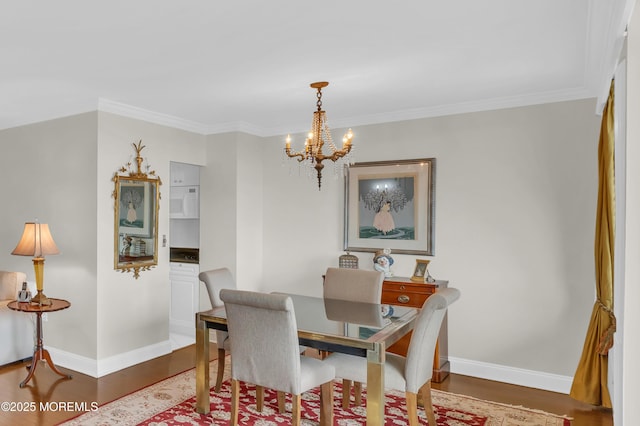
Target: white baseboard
[[512, 375], [180, 340], [482, 370], [99, 368], [183, 327], [74, 362]]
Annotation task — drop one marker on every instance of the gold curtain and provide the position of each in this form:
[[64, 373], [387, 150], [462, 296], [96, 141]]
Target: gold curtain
[[590, 381]]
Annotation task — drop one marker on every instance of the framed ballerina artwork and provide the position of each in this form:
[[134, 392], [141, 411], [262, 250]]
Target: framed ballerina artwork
[[390, 204]]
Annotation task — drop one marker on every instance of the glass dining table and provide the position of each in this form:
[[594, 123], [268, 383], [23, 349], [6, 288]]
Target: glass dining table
[[361, 329]]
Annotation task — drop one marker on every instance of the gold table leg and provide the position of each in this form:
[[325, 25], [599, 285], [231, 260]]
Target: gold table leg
[[202, 366], [375, 386]]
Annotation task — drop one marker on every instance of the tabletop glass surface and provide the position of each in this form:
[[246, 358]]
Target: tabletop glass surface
[[344, 318]]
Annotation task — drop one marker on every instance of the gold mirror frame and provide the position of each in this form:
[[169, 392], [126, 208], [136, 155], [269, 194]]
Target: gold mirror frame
[[137, 201]]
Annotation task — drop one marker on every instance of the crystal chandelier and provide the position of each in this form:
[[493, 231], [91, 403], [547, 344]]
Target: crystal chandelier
[[318, 137]]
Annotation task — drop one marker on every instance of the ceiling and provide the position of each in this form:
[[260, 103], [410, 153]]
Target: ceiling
[[246, 65]]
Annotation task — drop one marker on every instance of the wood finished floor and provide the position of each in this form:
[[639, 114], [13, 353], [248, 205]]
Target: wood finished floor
[[46, 386]]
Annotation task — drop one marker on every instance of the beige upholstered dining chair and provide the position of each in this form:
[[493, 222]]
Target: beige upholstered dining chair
[[264, 343], [413, 373], [215, 280], [354, 285]]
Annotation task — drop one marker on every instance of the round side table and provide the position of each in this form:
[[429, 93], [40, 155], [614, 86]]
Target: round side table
[[40, 353]]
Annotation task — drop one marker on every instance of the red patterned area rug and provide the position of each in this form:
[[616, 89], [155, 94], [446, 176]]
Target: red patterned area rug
[[172, 402]]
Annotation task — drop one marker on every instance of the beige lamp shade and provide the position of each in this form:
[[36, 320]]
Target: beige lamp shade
[[36, 241]]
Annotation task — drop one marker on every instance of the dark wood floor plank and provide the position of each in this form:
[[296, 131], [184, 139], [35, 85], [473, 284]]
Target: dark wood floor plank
[[551, 402], [46, 386]]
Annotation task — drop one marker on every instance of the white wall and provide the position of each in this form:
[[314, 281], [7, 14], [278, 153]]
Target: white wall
[[250, 213], [60, 172], [133, 314], [218, 204], [515, 209], [631, 349], [48, 173], [231, 202]]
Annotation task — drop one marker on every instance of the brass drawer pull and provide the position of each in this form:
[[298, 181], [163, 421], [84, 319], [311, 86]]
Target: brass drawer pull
[[403, 298]]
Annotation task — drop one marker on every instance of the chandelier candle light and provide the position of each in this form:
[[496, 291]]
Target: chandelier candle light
[[317, 137], [37, 241]]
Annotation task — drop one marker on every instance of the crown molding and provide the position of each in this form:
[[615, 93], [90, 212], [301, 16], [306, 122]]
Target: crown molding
[[239, 126], [107, 105], [114, 107], [453, 109], [606, 44]]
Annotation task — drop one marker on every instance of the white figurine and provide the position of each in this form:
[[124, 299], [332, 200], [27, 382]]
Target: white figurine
[[382, 262]]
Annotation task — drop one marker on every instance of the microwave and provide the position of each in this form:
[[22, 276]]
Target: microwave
[[184, 202]]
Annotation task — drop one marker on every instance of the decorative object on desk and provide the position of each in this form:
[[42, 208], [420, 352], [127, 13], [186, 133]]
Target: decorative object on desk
[[171, 401], [24, 295], [137, 198], [382, 262], [37, 241], [393, 202], [420, 271], [317, 138], [428, 278], [348, 260]]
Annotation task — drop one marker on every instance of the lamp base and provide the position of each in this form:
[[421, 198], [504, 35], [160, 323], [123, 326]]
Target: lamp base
[[41, 299]]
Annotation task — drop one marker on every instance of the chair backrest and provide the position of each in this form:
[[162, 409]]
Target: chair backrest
[[419, 363], [361, 313], [356, 285], [215, 280], [264, 339]]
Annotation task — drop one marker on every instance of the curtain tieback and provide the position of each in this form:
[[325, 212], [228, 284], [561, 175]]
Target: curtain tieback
[[606, 339]]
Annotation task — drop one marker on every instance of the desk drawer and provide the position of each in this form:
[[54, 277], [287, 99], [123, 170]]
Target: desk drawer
[[409, 294], [404, 298]]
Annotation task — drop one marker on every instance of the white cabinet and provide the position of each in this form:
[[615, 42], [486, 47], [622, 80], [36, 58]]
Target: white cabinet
[[184, 230], [183, 174], [185, 302]]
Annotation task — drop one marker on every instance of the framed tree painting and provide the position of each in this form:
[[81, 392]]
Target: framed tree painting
[[390, 204]]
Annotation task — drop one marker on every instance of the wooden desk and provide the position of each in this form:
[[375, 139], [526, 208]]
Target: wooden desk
[[403, 291], [40, 353]]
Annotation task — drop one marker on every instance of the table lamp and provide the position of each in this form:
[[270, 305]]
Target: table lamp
[[36, 241]]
